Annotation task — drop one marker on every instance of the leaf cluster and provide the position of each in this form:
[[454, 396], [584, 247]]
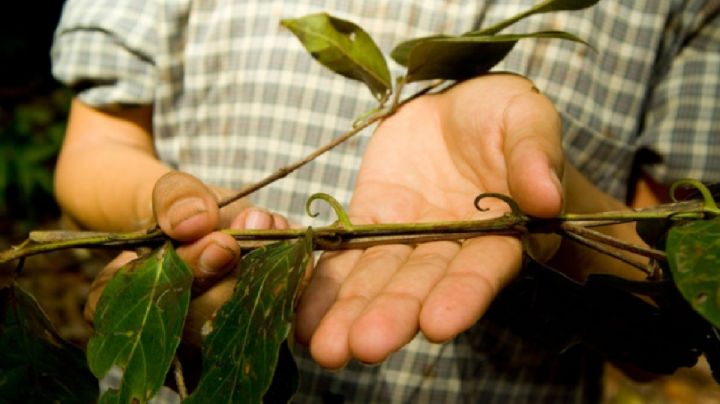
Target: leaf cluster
[[347, 49]]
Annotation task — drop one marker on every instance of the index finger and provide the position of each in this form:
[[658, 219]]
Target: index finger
[[481, 268]]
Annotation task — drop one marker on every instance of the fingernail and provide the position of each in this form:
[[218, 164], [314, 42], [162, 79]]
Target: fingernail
[[258, 220], [185, 209], [215, 259]]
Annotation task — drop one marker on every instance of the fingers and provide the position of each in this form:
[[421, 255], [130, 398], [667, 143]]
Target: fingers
[[319, 295], [474, 277], [533, 154], [217, 253], [393, 292], [210, 258], [187, 211], [257, 219], [379, 331], [330, 345], [184, 207], [372, 311]]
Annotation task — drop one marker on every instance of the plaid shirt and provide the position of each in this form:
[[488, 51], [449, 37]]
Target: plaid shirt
[[235, 97]]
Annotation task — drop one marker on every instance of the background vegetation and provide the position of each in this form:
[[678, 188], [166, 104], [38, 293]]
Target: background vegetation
[[33, 110]]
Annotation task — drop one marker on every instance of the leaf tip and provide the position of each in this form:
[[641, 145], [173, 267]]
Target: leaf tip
[[287, 22]]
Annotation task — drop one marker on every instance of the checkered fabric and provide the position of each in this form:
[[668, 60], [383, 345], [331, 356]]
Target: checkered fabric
[[235, 96]]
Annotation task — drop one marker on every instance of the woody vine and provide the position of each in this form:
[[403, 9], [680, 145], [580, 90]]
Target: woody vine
[[140, 316]]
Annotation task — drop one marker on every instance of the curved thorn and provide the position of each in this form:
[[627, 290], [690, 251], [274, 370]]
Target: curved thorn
[[342, 217], [708, 200], [514, 208], [308, 204]]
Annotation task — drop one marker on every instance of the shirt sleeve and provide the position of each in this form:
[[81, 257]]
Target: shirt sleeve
[[105, 50], [682, 121]]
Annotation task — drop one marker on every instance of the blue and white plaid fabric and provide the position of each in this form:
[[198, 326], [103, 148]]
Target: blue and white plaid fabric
[[235, 97]]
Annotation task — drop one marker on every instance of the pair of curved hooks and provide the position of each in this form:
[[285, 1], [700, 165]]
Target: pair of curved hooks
[[344, 221]]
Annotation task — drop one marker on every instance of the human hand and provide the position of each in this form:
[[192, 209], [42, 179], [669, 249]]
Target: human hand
[[187, 211], [427, 163]]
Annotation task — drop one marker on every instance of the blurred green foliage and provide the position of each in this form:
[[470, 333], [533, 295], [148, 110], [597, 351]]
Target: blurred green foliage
[[33, 111], [31, 133]]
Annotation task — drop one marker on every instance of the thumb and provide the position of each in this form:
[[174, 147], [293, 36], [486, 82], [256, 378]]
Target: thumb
[[533, 154], [184, 207]]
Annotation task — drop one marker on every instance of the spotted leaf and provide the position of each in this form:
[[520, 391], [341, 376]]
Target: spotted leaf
[[240, 351], [345, 48], [693, 251], [139, 322]]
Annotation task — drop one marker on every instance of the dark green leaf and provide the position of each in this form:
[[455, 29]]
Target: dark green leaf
[[563, 5], [543, 7], [459, 57], [345, 48], [36, 364], [240, 351], [401, 52], [693, 251], [139, 322]]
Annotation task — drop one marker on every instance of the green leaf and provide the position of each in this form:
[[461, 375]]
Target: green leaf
[[543, 7], [36, 364], [460, 57], [240, 350], [139, 322], [693, 251], [344, 48]]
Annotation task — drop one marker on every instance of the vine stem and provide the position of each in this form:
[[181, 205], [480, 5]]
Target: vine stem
[[325, 238], [590, 239], [287, 170], [604, 239], [339, 237]]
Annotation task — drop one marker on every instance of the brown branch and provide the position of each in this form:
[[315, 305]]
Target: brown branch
[[602, 248], [357, 128], [613, 242], [285, 171]]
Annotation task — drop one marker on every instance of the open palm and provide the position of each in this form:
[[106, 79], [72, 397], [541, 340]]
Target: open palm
[[427, 163]]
